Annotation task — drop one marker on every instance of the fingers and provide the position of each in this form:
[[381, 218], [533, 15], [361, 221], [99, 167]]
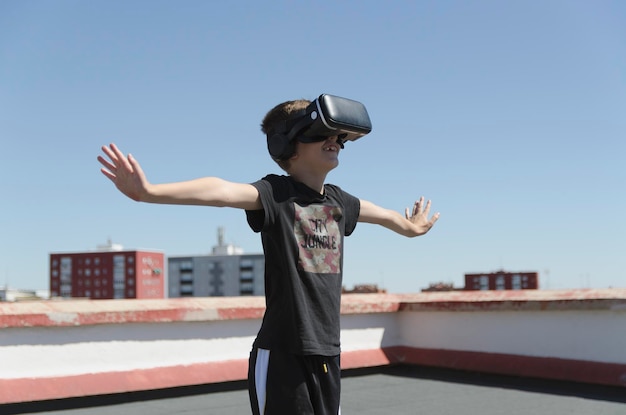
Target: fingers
[[117, 159], [106, 163], [110, 153], [421, 209], [418, 208], [434, 219], [108, 174], [135, 167], [426, 212], [115, 150], [109, 167], [426, 208]]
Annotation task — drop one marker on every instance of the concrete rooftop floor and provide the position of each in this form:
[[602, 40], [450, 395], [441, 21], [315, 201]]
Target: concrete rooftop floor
[[385, 390]]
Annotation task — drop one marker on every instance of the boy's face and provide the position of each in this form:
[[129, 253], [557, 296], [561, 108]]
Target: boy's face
[[320, 155]]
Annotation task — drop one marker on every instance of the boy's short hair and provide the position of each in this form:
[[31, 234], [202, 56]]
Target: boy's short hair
[[279, 113]]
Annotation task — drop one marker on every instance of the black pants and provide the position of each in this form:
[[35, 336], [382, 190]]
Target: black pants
[[286, 384]]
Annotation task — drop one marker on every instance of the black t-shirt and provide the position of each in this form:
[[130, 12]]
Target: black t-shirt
[[302, 234]]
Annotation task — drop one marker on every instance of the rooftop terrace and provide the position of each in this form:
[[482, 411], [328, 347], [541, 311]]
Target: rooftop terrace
[[461, 352]]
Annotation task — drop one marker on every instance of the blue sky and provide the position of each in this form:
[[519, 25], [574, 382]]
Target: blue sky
[[508, 115]]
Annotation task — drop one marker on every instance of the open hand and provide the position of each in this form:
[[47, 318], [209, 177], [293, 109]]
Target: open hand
[[124, 171], [419, 216]]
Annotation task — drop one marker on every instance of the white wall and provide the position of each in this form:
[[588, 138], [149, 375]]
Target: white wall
[[598, 336]]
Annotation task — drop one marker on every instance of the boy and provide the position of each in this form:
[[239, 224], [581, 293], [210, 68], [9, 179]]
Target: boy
[[294, 365]]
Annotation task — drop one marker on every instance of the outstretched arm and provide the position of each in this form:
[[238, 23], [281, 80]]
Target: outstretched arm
[[127, 175], [412, 224]]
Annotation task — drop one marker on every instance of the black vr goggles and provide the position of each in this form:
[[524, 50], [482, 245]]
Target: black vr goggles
[[327, 116]]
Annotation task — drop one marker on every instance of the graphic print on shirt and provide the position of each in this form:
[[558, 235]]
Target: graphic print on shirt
[[319, 241]]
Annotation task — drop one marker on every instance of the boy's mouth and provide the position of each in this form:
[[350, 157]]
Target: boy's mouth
[[332, 145]]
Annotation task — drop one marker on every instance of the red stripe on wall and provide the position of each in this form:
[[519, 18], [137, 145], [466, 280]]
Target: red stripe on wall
[[516, 365], [60, 387]]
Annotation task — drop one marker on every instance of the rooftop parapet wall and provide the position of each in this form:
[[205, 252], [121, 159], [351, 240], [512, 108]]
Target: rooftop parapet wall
[[522, 300], [60, 349], [88, 312]]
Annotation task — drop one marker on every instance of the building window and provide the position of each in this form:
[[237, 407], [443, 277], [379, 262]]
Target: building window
[[484, 282], [185, 265], [246, 288], [246, 265], [216, 282], [119, 276], [500, 282], [186, 290], [516, 282]]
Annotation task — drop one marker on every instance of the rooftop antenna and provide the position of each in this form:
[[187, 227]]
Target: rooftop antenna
[[220, 236]]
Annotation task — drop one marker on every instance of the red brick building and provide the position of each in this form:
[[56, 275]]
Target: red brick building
[[108, 274], [502, 280]]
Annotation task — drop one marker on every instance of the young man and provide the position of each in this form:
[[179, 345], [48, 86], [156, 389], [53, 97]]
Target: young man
[[294, 364]]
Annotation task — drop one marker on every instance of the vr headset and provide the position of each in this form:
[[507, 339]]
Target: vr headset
[[327, 116]]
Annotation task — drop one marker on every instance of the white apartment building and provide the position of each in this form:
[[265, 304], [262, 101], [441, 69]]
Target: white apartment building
[[227, 272]]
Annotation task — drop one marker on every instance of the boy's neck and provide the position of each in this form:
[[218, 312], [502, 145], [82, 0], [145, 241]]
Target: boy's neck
[[312, 180]]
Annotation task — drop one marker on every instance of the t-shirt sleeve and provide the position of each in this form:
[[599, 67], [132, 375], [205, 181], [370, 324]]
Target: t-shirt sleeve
[[257, 219], [353, 208], [271, 189]]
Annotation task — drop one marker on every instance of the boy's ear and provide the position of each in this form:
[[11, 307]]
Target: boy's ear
[[295, 147]]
